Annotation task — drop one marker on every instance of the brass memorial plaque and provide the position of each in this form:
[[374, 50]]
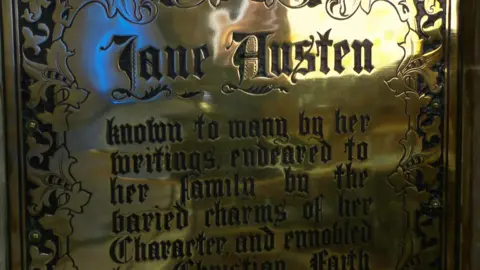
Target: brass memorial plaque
[[232, 134]]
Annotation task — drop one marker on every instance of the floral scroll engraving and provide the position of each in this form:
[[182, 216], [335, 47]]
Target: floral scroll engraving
[[418, 177], [344, 9]]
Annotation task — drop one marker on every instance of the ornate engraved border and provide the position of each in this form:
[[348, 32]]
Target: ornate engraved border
[[51, 94], [420, 83], [418, 178]]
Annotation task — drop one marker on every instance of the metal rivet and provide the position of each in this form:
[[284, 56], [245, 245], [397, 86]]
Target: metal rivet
[[32, 125], [35, 236], [435, 205], [436, 104]]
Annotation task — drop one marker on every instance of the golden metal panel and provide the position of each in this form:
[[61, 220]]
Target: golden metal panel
[[235, 134]]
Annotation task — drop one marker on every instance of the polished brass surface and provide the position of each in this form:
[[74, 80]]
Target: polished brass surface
[[234, 134]]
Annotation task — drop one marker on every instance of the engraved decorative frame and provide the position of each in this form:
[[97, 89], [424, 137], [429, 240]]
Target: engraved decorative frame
[[40, 94]]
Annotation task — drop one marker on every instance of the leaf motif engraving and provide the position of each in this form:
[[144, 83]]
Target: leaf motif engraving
[[416, 65], [341, 9], [415, 161], [432, 128], [59, 183], [66, 263], [59, 223], [134, 11], [58, 119], [36, 150], [41, 259], [432, 7], [55, 73], [60, 18], [34, 12], [33, 41], [432, 31]]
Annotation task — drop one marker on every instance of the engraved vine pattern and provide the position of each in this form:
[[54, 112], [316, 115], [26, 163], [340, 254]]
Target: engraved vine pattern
[[418, 81], [56, 196], [52, 94], [416, 179]]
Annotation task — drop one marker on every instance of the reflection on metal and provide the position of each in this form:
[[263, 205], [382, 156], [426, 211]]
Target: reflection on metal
[[232, 134]]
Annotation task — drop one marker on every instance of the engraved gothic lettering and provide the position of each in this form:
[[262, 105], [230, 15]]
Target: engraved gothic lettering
[[257, 57]]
